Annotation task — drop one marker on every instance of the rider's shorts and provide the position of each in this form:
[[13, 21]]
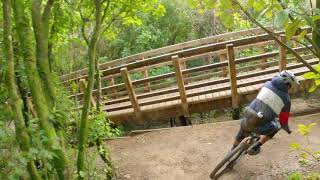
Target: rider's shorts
[[252, 123]]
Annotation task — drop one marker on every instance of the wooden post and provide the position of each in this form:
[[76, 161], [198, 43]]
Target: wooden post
[[233, 81], [282, 55], [295, 45], [262, 61], [208, 59], [83, 86], [223, 57], [132, 95], [182, 90], [147, 87], [183, 66], [111, 83]]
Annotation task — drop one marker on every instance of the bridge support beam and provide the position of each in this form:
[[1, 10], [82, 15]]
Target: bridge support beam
[[223, 57], [111, 83], [132, 95], [147, 87], [182, 90], [263, 64], [233, 81], [282, 55], [83, 86]]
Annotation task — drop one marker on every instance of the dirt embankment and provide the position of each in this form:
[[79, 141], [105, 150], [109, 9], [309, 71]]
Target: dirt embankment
[[192, 152]]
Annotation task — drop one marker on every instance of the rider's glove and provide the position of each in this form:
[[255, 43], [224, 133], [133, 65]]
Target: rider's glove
[[286, 128]]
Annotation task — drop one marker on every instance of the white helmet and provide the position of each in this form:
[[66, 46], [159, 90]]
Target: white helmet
[[289, 77]]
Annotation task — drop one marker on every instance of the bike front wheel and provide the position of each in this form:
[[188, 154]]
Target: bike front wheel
[[229, 161]]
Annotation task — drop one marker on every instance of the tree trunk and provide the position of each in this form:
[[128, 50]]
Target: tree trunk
[[83, 132], [15, 102], [315, 33], [24, 33], [98, 84], [41, 30], [105, 157]]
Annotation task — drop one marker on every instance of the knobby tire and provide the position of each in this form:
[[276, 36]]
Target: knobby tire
[[228, 161]]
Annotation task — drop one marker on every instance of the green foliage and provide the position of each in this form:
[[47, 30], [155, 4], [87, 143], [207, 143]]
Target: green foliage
[[315, 77], [161, 70], [5, 108], [306, 154], [295, 176], [301, 176], [305, 130], [102, 127]]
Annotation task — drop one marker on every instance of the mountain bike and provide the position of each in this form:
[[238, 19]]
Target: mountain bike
[[236, 154]]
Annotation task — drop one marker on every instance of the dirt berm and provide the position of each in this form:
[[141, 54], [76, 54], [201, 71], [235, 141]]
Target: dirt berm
[[192, 152]]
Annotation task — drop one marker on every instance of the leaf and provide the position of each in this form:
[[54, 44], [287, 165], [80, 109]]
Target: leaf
[[317, 152], [281, 19], [295, 176], [81, 174], [316, 17], [201, 10], [302, 35], [318, 67], [259, 5], [309, 75], [303, 129], [308, 149], [295, 146], [311, 125], [249, 4], [313, 88], [292, 28], [160, 11], [193, 4], [304, 155]]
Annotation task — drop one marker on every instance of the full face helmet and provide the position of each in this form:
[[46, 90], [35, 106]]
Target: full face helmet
[[289, 78]]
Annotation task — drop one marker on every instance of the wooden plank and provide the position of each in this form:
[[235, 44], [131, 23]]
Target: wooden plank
[[171, 48], [245, 82], [197, 69], [132, 95], [233, 76], [182, 90], [83, 73]]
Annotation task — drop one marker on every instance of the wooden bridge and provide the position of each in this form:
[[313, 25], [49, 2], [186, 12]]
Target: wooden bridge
[[202, 75]]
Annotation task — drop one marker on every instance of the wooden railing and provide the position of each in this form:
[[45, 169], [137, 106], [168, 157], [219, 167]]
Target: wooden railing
[[183, 87], [167, 49]]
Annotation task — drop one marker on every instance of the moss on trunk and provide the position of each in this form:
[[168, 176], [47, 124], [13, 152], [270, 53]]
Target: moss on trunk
[[24, 33], [15, 102], [83, 132], [40, 24]]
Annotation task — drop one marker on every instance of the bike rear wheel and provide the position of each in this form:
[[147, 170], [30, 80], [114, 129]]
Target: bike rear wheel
[[229, 161]]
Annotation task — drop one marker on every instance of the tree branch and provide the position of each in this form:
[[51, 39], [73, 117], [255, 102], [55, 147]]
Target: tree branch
[[105, 10], [83, 29], [47, 12], [276, 39], [306, 46], [84, 33]]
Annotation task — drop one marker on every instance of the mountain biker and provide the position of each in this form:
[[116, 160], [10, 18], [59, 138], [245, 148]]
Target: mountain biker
[[272, 102]]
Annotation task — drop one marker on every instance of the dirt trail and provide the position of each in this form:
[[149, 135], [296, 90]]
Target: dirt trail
[[192, 152]]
